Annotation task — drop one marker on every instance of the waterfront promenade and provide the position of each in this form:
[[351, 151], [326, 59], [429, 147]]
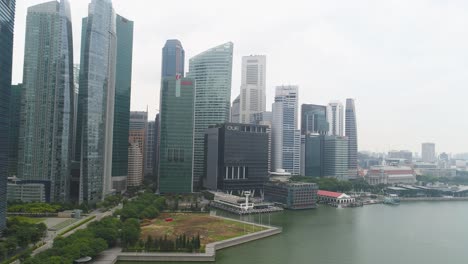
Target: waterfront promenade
[[113, 255]]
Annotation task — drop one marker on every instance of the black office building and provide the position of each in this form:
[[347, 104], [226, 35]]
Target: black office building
[[314, 119], [236, 158]]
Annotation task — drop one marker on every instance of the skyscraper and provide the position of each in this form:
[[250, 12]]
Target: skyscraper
[[7, 21], [135, 165], [335, 118], [46, 129], [428, 152], [96, 101], [286, 138], [137, 133], [235, 110], [252, 90], [157, 142], [123, 87], [177, 130], [351, 134], [314, 119], [14, 126], [150, 148], [335, 157], [212, 72], [173, 59]]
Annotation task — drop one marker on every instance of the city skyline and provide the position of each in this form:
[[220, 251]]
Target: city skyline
[[339, 63]]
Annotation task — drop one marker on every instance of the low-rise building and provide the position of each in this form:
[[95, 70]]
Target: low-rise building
[[28, 190], [390, 175], [292, 195], [334, 198]]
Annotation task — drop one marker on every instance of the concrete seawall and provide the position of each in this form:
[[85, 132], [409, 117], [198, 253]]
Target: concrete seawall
[[208, 256], [405, 199]]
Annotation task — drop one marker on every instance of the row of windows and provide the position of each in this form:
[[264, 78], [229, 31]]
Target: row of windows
[[175, 155]]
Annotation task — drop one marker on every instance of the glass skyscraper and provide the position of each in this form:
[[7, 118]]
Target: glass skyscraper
[[177, 129], [286, 138], [173, 59], [46, 130], [15, 117], [123, 89], [212, 72], [96, 101], [7, 21], [351, 134], [314, 119]]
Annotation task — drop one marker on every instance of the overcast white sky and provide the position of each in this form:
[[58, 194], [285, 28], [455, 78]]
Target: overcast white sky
[[405, 62]]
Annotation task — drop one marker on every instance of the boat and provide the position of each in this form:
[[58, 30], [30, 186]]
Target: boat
[[392, 199]]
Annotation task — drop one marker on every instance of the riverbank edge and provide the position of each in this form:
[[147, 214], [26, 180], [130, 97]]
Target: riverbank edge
[[428, 199], [208, 256]]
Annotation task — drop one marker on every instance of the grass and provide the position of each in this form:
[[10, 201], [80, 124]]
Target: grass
[[30, 220], [211, 229]]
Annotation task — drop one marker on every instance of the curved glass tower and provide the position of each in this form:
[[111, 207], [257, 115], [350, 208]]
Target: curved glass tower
[[96, 101], [7, 21], [46, 130], [212, 72]]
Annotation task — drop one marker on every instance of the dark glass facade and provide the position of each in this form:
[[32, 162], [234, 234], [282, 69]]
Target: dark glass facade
[[314, 151], [46, 129], [7, 21], [123, 83], [314, 119], [173, 59], [236, 158], [177, 129], [15, 110]]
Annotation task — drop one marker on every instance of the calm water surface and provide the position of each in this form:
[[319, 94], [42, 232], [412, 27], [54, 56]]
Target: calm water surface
[[419, 232]]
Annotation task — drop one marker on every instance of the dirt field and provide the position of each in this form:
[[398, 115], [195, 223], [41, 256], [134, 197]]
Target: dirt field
[[211, 229]]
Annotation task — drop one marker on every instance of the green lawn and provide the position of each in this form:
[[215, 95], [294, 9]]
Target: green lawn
[[211, 229], [31, 220]]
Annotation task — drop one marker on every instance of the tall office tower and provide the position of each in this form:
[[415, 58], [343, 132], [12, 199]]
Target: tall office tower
[[135, 165], [123, 87], [149, 148], [335, 157], [351, 134], [7, 21], [173, 58], [314, 119], [326, 156], [177, 131], [96, 101], [335, 118], [14, 127], [286, 138], [236, 158], [137, 133], [76, 90], [157, 142], [46, 129], [252, 90], [428, 152], [212, 72], [266, 119], [235, 110]]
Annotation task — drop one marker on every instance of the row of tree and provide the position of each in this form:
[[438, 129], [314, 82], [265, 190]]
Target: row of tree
[[144, 206], [91, 241], [181, 243], [19, 235]]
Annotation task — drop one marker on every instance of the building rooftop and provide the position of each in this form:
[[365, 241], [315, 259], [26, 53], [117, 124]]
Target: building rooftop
[[329, 194]]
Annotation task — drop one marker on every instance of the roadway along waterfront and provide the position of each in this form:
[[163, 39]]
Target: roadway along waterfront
[[413, 232]]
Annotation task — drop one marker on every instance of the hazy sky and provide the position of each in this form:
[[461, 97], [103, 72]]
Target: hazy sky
[[405, 62]]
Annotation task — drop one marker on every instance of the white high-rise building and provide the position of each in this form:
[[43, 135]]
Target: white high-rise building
[[428, 152], [252, 90], [286, 138], [335, 118]]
